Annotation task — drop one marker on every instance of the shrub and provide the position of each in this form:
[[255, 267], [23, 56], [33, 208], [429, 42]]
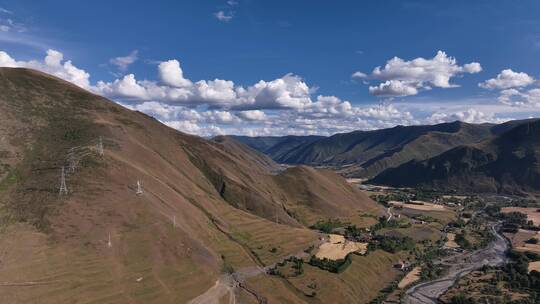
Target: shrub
[[328, 226], [532, 241], [394, 244], [336, 266], [462, 299]]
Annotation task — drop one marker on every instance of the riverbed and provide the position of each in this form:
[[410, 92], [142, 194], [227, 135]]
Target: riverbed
[[493, 255]]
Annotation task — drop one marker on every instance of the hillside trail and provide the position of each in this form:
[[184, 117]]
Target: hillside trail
[[228, 284], [224, 286]]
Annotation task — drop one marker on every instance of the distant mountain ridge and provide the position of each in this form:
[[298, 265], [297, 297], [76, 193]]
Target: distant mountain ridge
[[507, 163], [368, 153], [277, 147]]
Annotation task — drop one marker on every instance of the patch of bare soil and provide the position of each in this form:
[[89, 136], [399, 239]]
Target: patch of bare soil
[[534, 266], [337, 248], [451, 243], [411, 277]]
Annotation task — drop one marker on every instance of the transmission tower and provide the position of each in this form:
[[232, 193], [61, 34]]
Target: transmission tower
[[63, 187], [100, 146], [139, 188], [72, 159]]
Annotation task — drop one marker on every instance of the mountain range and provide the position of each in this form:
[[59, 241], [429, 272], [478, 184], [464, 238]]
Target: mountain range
[[507, 163], [414, 155], [102, 204]]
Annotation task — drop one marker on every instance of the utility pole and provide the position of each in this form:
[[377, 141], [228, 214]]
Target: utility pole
[[174, 221], [63, 187], [109, 243], [139, 188]]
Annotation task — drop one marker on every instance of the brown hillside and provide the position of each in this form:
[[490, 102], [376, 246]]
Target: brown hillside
[[222, 197]]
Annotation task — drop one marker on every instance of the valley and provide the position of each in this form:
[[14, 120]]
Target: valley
[[101, 204]]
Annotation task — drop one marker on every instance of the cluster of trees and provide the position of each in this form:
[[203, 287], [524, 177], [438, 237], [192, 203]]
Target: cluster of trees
[[431, 271], [392, 244], [459, 223], [516, 218], [462, 299], [385, 223], [421, 195], [329, 225], [513, 220], [336, 266], [296, 268], [516, 273], [461, 240], [384, 199], [515, 276], [532, 241], [524, 203], [493, 210], [357, 234]]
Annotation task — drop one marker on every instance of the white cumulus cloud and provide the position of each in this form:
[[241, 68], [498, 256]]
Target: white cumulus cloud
[[470, 116], [525, 98], [507, 79], [394, 88], [252, 115], [286, 105], [402, 78], [53, 64], [171, 74]]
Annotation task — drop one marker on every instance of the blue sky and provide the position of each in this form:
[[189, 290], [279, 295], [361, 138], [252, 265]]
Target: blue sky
[[304, 52]]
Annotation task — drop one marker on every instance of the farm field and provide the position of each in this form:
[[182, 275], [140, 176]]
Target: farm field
[[337, 248], [532, 213], [411, 277], [534, 266], [451, 243], [529, 247], [419, 205], [376, 269], [521, 236], [518, 240]]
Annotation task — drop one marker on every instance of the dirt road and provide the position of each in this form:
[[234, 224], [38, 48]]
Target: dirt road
[[223, 288], [227, 284]]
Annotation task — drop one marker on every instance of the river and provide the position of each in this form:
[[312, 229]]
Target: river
[[493, 255]]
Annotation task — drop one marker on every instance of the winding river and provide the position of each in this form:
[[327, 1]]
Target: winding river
[[460, 265]]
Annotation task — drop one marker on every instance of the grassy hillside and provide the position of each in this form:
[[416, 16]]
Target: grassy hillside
[[207, 207]]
